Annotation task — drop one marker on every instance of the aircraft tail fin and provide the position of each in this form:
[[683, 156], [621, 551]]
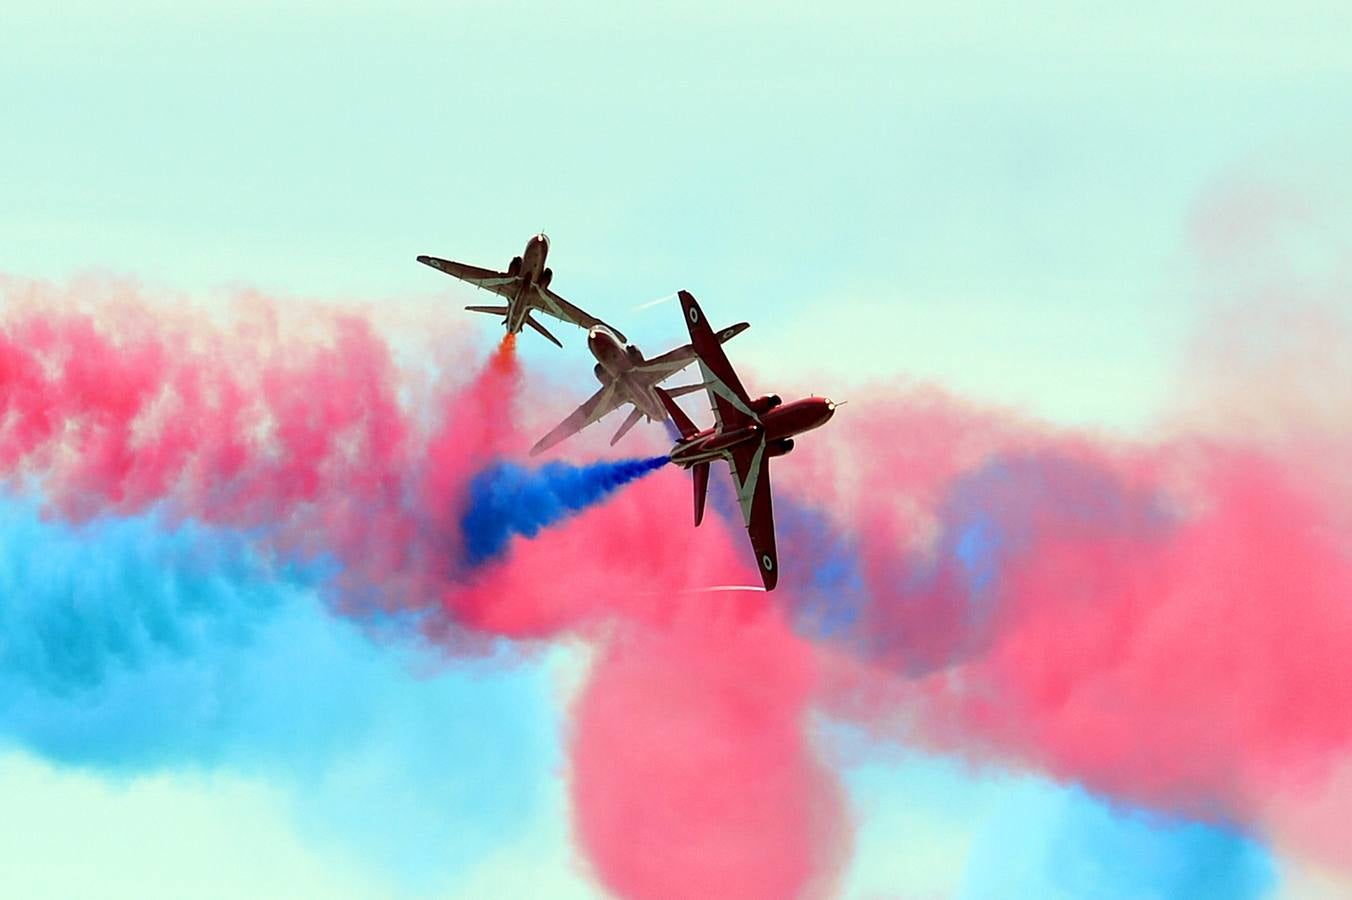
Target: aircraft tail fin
[[530, 320], [492, 310], [678, 416], [701, 473], [628, 423]]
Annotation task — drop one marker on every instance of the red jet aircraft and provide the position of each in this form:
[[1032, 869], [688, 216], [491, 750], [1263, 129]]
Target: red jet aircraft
[[747, 434]]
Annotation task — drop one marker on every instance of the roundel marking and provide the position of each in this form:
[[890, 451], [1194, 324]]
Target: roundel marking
[[767, 562], [694, 314]]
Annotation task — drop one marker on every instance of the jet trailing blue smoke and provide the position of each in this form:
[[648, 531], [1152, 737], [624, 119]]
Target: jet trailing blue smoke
[[507, 499]]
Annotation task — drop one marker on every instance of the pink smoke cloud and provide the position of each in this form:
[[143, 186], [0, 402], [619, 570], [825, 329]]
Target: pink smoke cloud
[[691, 777], [1164, 621]]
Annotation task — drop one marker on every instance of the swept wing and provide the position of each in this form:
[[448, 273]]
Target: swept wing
[[499, 283], [750, 468], [594, 407], [552, 304], [732, 406]]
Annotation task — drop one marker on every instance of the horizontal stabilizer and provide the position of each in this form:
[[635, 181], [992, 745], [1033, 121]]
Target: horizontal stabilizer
[[683, 390], [732, 331], [493, 310], [530, 320], [628, 424]]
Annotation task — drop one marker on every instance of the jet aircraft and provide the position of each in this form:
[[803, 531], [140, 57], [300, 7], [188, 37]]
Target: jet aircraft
[[626, 377], [525, 287], [747, 433]]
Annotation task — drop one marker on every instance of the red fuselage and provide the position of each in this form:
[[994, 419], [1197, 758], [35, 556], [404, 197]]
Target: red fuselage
[[778, 424]]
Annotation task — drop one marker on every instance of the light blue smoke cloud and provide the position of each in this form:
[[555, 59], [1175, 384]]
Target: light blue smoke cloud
[[1053, 842], [128, 646]]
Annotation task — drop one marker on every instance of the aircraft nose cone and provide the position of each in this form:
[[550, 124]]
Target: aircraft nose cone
[[600, 341]]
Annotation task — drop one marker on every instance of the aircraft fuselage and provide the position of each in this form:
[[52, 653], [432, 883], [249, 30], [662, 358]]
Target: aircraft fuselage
[[531, 274], [617, 364], [533, 259], [778, 424]]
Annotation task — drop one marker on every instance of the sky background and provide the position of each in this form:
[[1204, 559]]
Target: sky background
[[996, 198]]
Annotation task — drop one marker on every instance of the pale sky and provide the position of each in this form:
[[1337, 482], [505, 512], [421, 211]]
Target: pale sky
[[993, 197]]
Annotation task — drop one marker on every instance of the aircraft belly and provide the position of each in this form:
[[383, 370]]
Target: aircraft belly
[[726, 440], [778, 429], [644, 399], [694, 454], [617, 364], [516, 314]]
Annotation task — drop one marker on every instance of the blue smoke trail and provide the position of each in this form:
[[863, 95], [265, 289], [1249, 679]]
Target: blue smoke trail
[[507, 499]]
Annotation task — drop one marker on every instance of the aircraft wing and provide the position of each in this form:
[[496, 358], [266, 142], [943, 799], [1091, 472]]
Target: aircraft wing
[[593, 408], [673, 361], [554, 305], [751, 478], [498, 282], [731, 405]]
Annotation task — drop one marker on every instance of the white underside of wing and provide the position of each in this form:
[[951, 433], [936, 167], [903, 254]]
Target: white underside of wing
[[746, 490], [718, 390], [491, 282]]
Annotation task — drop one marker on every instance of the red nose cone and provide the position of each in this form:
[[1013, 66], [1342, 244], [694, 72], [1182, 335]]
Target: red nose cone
[[824, 410], [596, 340]]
